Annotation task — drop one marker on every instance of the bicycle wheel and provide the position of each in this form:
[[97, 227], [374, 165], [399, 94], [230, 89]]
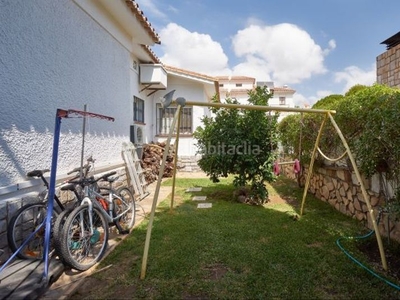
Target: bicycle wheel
[[125, 204], [58, 228], [25, 221], [83, 245]]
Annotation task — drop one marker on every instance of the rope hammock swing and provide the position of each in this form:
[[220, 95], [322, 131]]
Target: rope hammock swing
[[331, 159]]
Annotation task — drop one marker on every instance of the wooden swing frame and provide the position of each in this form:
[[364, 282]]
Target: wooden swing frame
[[328, 115]]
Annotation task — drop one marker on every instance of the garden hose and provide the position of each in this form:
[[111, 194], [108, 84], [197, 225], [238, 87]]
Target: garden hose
[[358, 262]]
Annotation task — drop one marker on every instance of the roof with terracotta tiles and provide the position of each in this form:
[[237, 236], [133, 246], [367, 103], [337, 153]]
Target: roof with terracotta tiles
[[152, 55], [283, 89], [143, 20], [274, 89], [235, 78], [197, 76], [238, 91], [190, 73]]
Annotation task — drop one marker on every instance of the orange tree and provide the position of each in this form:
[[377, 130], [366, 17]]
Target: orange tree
[[240, 142]]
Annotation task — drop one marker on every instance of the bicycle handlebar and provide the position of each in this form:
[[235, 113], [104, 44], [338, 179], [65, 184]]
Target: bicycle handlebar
[[91, 180], [85, 167], [78, 169], [105, 176]]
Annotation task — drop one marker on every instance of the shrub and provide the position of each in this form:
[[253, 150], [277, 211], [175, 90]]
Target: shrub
[[369, 119]]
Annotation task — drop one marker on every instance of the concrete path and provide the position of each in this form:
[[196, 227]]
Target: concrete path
[[70, 280]]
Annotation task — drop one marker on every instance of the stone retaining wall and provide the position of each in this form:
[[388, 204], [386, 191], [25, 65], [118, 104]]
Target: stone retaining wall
[[340, 188]]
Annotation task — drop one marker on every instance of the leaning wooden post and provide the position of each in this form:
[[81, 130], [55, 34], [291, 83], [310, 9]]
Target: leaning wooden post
[[364, 193], [310, 168], [157, 191], [175, 160]]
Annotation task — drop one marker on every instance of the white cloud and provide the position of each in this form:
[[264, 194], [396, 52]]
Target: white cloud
[[354, 75], [252, 67], [332, 46], [192, 51], [285, 53], [281, 53]]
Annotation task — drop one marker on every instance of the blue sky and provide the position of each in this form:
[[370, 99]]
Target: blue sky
[[317, 47]]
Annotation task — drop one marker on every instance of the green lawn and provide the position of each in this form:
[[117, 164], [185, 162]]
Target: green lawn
[[238, 251]]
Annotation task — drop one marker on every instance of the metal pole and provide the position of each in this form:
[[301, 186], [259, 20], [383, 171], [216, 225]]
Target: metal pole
[[50, 200], [175, 160], [157, 191], [310, 168], [364, 193], [83, 142]]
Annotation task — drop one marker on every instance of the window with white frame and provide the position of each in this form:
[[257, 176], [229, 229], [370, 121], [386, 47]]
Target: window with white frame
[[165, 117], [138, 110], [282, 100]]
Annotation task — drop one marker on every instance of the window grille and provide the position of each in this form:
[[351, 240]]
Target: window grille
[[165, 117]]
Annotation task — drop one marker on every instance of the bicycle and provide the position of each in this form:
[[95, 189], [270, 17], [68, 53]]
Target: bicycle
[[26, 221], [84, 237], [76, 188]]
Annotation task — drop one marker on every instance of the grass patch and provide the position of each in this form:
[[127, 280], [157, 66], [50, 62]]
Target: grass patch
[[238, 251]]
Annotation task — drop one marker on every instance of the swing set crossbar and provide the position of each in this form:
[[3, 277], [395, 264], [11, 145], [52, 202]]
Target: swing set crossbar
[[260, 107]]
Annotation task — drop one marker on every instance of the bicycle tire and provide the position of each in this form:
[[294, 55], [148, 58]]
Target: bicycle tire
[[127, 221], [24, 222], [82, 251], [58, 227]]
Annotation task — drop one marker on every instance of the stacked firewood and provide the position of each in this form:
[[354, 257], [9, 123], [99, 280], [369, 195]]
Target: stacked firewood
[[152, 160]]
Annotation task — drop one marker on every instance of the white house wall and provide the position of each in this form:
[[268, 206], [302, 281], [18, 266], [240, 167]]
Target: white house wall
[[148, 103], [288, 103], [53, 55], [191, 91], [288, 100], [231, 86]]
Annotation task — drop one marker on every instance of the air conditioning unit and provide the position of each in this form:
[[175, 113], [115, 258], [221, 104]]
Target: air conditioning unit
[[137, 138], [137, 134]]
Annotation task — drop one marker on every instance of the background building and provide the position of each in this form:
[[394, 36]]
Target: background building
[[238, 86]]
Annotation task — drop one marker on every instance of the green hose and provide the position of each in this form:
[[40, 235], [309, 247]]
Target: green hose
[[359, 263]]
